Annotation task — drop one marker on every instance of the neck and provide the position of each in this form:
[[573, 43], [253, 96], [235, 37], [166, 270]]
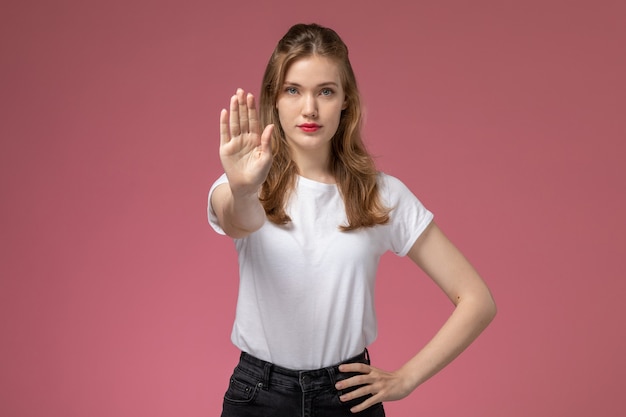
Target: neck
[[314, 166]]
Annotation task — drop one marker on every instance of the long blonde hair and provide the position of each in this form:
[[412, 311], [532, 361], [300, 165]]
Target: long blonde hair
[[350, 163]]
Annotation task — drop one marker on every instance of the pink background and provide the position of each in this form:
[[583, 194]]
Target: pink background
[[506, 118]]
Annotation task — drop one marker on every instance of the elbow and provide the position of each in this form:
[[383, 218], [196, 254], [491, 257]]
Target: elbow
[[490, 309], [482, 305], [239, 230]]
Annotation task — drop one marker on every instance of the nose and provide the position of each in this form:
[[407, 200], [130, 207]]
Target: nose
[[309, 107]]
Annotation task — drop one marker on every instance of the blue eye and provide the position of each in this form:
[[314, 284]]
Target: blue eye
[[326, 92], [291, 90]]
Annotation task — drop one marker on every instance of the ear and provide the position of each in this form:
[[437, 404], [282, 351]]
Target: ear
[[345, 104]]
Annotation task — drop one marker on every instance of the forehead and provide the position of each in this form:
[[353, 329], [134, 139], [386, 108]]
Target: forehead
[[313, 70]]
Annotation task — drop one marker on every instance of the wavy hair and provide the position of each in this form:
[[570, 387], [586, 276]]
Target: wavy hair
[[350, 163]]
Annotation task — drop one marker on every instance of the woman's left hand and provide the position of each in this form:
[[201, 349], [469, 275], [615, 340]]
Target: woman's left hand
[[382, 385]]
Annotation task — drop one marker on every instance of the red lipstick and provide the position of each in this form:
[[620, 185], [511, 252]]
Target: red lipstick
[[309, 127]]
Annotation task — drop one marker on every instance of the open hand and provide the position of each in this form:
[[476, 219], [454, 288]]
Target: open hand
[[380, 385], [245, 153]]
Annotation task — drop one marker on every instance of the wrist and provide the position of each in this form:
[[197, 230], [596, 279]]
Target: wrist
[[411, 377], [245, 193]]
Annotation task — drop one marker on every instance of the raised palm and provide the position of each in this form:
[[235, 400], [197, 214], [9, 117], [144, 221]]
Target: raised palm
[[245, 152]]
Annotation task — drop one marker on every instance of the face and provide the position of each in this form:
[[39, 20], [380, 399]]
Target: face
[[310, 104]]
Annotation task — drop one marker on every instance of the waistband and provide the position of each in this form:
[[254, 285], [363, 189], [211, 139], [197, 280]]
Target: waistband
[[270, 374]]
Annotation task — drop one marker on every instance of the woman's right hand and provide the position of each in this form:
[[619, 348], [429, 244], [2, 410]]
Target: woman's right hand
[[245, 153]]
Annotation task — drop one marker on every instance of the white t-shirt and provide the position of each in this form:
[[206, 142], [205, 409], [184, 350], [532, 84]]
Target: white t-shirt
[[306, 291]]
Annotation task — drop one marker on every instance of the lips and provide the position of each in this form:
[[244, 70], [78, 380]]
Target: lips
[[309, 127]]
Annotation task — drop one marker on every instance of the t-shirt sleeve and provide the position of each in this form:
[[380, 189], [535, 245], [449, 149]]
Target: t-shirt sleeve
[[408, 217], [210, 212]]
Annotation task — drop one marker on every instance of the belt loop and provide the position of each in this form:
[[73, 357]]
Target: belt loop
[[331, 374], [267, 368]]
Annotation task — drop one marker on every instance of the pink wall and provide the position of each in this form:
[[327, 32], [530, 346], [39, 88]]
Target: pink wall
[[506, 118]]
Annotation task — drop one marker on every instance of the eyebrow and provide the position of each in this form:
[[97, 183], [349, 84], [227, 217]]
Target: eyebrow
[[328, 83]]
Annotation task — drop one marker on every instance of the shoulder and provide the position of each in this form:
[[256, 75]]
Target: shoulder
[[408, 216], [397, 195], [392, 188]]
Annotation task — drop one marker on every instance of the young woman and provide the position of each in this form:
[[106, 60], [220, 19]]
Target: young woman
[[310, 217]]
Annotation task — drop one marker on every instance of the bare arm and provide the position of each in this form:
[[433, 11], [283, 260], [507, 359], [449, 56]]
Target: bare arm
[[474, 310], [246, 157]]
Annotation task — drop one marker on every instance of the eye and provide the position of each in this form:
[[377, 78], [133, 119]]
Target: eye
[[326, 92], [291, 90]]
